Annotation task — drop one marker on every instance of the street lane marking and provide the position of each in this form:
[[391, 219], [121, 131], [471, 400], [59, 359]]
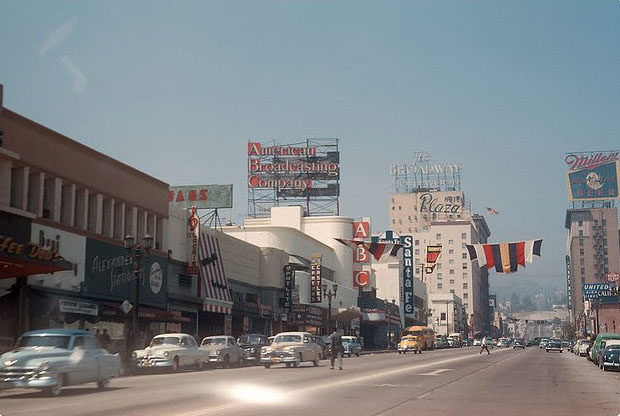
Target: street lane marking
[[338, 383], [424, 395], [436, 372]]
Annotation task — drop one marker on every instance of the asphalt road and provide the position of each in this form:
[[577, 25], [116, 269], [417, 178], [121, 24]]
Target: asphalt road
[[445, 382]]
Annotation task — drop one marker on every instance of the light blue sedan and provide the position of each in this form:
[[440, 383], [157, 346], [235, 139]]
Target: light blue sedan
[[52, 358]]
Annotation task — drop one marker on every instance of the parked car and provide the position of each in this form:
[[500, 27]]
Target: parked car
[[518, 343], [321, 343], [252, 344], [223, 351], [351, 345], [503, 342], [441, 342], [409, 343], [601, 350], [553, 345], [171, 352], [292, 349], [543, 343], [584, 348], [477, 342], [597, 344], [491, 343], [609, 357], [49, 359], [468, 342]]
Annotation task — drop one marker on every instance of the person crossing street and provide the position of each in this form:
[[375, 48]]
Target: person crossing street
[[484, 345], [336, 349]]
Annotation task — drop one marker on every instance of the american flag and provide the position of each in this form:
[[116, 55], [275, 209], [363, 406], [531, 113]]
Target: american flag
[[492, 211]]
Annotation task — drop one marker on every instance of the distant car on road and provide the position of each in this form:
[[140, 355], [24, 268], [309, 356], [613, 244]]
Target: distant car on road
[[518, 343], [584, 346], [351, 345], [543, 343], [409, 343], [553, 345], [49, 359], [477, 342]]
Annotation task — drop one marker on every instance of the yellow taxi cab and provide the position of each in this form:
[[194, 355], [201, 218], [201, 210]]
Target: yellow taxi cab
[[409, 343]]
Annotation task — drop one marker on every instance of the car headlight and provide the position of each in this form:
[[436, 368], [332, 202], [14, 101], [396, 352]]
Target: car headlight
[[166, 353], [252, 350], [43, 366], [218, 352], [134, 354]]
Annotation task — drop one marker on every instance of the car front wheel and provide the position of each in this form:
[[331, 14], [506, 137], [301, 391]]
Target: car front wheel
[[55, 389], [103, 384]]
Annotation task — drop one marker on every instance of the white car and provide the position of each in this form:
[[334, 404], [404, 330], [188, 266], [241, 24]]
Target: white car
[[583, 348], [477, 342], [171, 351], [223, 351]]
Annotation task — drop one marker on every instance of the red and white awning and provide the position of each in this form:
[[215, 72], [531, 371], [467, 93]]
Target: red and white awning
[[213, 285]]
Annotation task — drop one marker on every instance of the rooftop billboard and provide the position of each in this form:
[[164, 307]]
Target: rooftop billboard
[[592, 176]]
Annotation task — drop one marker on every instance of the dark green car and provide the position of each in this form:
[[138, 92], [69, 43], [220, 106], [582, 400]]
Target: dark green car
[[597, 345]]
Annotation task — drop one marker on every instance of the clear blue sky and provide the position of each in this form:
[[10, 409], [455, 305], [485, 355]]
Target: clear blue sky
[[177, 88]]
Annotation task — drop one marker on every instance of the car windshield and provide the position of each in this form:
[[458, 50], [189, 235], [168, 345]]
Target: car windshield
[[214, 341], [280, 339], [250, 339], [613, 347], [44, 341], [348, 340], [165, 341]]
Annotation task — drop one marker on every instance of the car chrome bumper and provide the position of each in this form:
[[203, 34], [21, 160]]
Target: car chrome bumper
[[154, 363], [29, 383], [608, 364], [277, 360]]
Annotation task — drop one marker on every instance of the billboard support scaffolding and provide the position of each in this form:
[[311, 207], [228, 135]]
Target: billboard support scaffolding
[[305, 173]]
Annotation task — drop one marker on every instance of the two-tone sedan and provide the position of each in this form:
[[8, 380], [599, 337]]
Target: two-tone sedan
[[171, 352], [49, 359], [291, 349]]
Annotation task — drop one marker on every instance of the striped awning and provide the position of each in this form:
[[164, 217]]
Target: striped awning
[[213, 285]]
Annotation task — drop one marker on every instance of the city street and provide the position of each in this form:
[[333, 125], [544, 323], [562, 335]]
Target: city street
[[443, 382]]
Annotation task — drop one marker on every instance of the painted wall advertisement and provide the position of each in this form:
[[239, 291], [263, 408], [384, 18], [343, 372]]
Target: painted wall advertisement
[[110, 273], [592, 176]]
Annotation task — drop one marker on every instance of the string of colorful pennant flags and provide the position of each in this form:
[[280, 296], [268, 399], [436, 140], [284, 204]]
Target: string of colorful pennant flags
[[505, 257]]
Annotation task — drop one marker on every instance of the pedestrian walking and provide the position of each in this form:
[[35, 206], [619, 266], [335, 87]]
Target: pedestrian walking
[[336, 349], [484, 345]]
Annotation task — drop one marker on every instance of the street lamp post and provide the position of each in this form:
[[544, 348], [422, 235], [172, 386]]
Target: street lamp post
[[138, 255], [389, 332], [330, 294]]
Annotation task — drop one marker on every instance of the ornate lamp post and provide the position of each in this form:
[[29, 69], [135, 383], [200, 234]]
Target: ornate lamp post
[[138, 256], [330, 294]]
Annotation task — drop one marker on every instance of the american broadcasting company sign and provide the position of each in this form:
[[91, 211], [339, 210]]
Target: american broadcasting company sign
[[289, 167], [592, 176]]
